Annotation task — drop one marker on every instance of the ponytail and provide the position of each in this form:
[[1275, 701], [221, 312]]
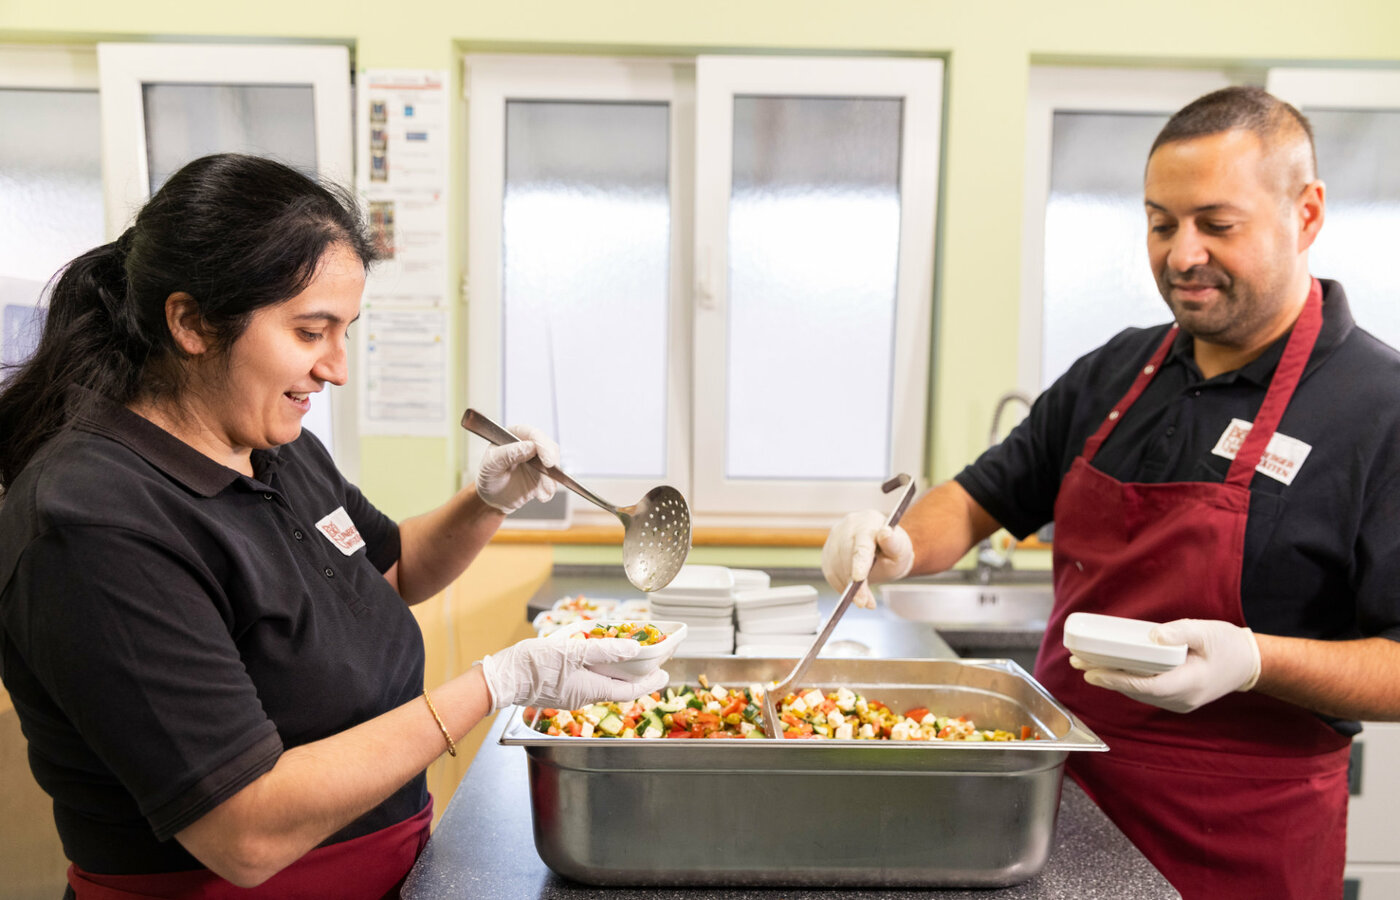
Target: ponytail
[[86, 342]]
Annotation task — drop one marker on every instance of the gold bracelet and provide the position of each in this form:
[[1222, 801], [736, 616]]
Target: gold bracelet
[[446, 735]]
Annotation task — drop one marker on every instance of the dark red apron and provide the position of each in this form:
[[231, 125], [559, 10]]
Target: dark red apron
[[1247, 796], [369, 867]]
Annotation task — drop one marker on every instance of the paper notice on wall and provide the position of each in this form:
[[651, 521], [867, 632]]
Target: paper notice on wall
[[405, 356], [402, 177]]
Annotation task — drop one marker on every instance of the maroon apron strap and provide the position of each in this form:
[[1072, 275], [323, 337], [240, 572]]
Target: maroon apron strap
[[1285, 380], [369, 867], [1144, 377]]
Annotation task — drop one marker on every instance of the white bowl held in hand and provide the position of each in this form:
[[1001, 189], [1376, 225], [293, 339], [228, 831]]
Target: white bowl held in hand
[[1114, 642], [649, 657]]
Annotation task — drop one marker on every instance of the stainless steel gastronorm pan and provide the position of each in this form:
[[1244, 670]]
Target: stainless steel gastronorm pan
[[831, 813]]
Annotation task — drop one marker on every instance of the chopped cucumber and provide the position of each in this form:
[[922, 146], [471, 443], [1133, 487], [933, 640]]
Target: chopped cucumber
[[611, 725]]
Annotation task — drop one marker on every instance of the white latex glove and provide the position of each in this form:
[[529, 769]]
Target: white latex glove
[[1220, 658], [506, 481], [849, 554], [552, 672]]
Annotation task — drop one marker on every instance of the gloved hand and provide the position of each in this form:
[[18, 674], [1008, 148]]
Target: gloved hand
[[507, 481], [553, 672], [849, 554], [1220, 658]]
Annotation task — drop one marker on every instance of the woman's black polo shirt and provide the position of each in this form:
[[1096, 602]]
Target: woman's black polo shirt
[[1322, 554], [168, 626]]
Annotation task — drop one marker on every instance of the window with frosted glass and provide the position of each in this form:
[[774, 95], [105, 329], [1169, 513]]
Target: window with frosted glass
[[1097, 277], [586, 236], [187, 121], [51, 192], [813, 250], [1356, 160]]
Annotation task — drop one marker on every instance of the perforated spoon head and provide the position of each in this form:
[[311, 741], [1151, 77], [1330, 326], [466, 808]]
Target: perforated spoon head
[[656, 538]]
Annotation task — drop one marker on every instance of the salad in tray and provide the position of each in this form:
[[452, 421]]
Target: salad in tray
[[714, 711]]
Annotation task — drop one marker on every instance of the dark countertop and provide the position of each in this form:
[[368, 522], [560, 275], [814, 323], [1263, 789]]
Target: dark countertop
[[484, 845]]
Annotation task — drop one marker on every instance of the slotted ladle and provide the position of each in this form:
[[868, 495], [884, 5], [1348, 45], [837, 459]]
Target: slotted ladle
[[779, 689], [655, 530]]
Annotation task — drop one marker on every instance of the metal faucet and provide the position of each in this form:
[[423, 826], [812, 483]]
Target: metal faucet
[[989, 559]]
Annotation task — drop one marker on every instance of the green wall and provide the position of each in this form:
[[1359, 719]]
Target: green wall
[[989, 47]]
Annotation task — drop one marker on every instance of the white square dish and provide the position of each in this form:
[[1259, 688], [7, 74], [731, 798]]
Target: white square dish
[[1115, 642], [648, 659]]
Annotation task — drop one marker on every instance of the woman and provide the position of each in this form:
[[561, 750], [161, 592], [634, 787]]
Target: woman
[[203, 626]]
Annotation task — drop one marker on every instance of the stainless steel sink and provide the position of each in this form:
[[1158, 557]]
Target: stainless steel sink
[[959, 602]]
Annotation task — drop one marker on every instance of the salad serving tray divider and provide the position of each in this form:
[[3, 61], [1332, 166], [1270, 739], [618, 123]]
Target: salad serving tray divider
[[762, 812]]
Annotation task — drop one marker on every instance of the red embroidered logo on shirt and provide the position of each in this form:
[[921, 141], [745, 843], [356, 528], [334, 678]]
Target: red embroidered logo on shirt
[[340, 530]]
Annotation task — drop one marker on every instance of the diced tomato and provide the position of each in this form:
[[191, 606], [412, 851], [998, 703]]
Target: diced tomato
[[549, 713], [681, 717], [827, 706], [678, 734], [629, 722], [554, 730], [876, 704], [917, 713], [707, 718], [1025, 732], [656, 695], [790, 719], [574, 729], [945, 731], [735, 705]]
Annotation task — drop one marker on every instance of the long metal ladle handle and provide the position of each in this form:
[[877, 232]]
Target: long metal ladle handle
[[910, 488], [481, 426]]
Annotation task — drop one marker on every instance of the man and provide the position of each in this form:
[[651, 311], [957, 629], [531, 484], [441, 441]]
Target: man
[[1236, 477]]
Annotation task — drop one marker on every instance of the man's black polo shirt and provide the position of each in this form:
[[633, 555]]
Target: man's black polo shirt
[[1322, 555], [168, 626]]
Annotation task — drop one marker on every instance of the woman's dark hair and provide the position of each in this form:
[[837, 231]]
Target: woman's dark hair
[[236, 233]]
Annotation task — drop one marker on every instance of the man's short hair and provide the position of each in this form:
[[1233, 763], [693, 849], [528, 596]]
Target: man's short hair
[[1239, 108]]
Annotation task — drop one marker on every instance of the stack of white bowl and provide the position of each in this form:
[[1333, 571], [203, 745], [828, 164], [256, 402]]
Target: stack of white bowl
[[703, 598], [776, 618]]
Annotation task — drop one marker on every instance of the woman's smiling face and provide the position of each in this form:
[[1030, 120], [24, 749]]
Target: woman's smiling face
[[256, 396]]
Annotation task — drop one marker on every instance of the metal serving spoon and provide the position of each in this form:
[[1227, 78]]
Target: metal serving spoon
[[779, 689], [656, 529]]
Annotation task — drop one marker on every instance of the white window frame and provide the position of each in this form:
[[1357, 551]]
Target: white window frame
[[489, 82], [1082, 89], [124, 67], [919, 83], [52, 67]]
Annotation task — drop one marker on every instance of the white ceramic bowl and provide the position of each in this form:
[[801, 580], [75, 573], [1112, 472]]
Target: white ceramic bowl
[[647, 660], [551, 620], [1115, 642], [588, 607]]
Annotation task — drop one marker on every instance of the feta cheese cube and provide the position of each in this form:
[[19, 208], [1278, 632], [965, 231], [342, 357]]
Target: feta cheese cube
[[813, 698], [867, 730], [718, 691], [799, 706], [585, 729], [835, 719], [647, 703], [845, 699], [845, 732], [745, 728], [929, 719], [900, 732], [713, 706]]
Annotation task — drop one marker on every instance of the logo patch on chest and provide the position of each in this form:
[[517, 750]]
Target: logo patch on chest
[[341, 531], [1282, 458]]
